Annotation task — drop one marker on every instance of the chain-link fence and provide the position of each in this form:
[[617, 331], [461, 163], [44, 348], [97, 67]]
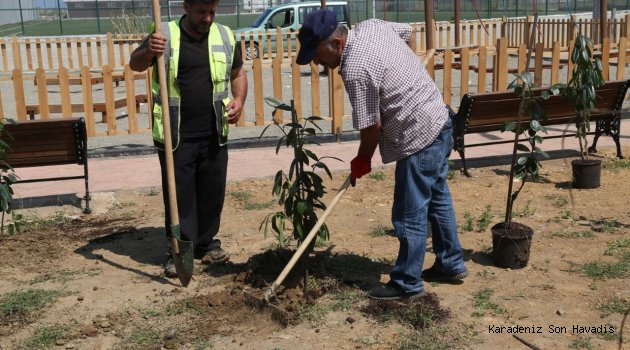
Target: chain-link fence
[[76, 17]]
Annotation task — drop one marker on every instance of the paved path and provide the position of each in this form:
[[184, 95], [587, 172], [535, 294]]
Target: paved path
[[134, 172]]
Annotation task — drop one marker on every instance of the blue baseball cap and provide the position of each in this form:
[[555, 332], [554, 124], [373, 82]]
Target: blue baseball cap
[[317, 27]]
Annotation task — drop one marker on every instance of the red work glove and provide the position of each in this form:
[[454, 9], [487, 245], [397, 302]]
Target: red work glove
[[359, 166]]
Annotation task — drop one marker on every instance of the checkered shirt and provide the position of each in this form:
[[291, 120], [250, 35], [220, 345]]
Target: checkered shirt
[[387, 82]]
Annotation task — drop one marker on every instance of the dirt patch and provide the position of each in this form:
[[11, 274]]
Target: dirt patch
[[103, 273]]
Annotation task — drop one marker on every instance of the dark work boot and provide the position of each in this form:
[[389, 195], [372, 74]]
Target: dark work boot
[[215, 256], [392, 291]]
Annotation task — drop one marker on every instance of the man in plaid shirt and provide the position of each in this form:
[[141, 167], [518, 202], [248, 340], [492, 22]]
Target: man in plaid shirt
[[397, 106]]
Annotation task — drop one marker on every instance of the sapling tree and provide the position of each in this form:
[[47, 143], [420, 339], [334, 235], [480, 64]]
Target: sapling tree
[[527, 166], [586, 77], [301, 189]]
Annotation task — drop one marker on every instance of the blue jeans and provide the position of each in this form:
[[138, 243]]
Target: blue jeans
[[421, 195]]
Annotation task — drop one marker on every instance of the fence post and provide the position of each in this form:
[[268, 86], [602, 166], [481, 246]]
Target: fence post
[[88, 104], [259, 107], [621, 59], [60, 19], [446, 80], [42, 93], [276, 65], [538, 63], [336, 101], [130, 87], [502, 65], [17, 54], [315, 97], [481, 73], [18, 90], [110, 50], [98, 17], [21, 16], [626, 27]]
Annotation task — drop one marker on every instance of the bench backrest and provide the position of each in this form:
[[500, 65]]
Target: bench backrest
[[488, 111], [46, 142]]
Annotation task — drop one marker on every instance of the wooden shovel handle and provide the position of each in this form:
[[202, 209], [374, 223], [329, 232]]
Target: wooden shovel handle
[[166, 120], [298, 253]]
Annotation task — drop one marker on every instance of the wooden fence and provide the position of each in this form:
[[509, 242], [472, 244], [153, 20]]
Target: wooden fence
[[457, 71]]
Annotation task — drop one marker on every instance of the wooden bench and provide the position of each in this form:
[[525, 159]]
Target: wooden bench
[[488, 111], [99, 107], [36, 143]]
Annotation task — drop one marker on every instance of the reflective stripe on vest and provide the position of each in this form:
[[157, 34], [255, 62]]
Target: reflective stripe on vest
[[220, 52]]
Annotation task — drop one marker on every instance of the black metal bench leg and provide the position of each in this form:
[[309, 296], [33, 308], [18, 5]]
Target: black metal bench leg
[[599, 129], [87, 197], [462, 155]]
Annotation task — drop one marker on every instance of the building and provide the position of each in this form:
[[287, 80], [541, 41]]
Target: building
[[110, 8]]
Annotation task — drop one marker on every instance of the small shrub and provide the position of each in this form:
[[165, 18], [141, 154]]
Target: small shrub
[[380, 231], [581, 343]]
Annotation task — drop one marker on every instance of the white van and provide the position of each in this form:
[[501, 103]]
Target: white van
[[284, 16]]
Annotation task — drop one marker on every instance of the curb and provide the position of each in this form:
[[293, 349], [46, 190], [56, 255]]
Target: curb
[[237, 144]]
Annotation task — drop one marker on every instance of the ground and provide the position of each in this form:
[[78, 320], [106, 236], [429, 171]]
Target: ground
[[71, 281]]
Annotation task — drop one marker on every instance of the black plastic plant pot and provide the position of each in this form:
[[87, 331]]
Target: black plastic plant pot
[[511, 245], [586, 173]]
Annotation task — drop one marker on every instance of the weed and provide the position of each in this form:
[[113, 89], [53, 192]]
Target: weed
[[452, 174], [258, 206], [482, 303], [16, 225], [598, 270], [526, 211], [45, 336], [314, 314], [241, 196], [614, 305], [380, 231], [592, 286], [153, 192], [547, 287], [345, 298], [374, 340], [377, 175], [121, 205], [561, 201], [434, 338], [617, 164], [203, 345], [610, 336], [144, 336], [34, 222], [606, 226], [469, 224], [150, 313], [581, 343], [61, 276], [486, 274], [485, 219], [176, 308], [573, 234], [567, 215], [23, 303], [617, 246]]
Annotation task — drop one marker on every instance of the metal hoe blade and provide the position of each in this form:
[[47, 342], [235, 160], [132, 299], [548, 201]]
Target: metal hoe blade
[[278, 315]]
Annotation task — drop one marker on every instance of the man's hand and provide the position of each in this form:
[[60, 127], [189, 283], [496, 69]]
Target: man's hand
[[156, 44], [359, 166], [234, 111]]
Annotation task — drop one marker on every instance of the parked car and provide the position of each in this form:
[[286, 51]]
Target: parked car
[[284, 16]]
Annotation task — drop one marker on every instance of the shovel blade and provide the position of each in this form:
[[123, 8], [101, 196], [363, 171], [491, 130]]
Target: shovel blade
[[183, 257]]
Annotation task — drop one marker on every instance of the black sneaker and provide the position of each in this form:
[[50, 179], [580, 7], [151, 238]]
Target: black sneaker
[[391, 291], [169, 268], [215, 256], [433, 275]]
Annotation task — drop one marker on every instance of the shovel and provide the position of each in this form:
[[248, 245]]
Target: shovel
[[278, 314], [182, 251]]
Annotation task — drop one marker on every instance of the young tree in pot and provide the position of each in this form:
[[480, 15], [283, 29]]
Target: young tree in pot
[[586, 77], [511, 241], [301, 189]]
